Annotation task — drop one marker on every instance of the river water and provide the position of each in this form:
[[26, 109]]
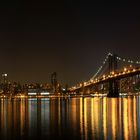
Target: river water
[[70, 118]]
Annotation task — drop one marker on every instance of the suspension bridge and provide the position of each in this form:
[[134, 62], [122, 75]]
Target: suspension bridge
[[116, 75]]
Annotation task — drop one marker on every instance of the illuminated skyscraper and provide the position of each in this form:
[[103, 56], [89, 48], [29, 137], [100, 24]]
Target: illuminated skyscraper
[[4, 78]]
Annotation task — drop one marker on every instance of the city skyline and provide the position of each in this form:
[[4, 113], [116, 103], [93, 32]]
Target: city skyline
[[69, 70], [37, 39]]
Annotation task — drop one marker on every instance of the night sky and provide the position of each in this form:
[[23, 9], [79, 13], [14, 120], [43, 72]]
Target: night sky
[[71, 38]]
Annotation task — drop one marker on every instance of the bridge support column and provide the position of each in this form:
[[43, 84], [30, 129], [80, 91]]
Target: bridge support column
[[113, 84], [113, 89]]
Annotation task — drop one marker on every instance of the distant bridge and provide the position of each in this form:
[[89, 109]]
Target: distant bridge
[[116, 75]]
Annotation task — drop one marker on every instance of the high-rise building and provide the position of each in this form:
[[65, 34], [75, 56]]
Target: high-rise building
[[4, 78]]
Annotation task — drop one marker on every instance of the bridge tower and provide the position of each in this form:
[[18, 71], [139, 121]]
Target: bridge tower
[[113, 84], [54, 81]]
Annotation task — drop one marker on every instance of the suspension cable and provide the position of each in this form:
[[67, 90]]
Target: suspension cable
[[101, 67], [127, 60]]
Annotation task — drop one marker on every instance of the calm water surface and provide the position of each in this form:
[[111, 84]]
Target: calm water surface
[[71, 118]]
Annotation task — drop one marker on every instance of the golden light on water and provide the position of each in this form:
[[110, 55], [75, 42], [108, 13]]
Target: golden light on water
[[135, 117], [81, 116], [85, 118], [105, 118], [22, 116], [114, 117], [93, 118], [92, 112]]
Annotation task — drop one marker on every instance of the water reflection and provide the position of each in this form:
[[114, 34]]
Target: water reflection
[[73, 118]]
